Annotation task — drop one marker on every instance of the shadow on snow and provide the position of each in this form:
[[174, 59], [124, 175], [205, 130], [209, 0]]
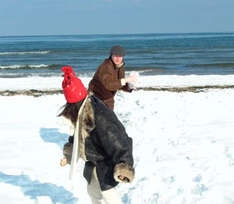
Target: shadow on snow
[[35, 189], [54, 136]]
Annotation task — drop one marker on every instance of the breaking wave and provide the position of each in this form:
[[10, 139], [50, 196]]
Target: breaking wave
[[25, 53], [39, 66]]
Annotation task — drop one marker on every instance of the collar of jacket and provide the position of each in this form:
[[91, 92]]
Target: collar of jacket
[[84, 125]]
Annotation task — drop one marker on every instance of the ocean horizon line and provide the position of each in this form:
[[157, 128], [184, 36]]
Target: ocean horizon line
[[120, 34]]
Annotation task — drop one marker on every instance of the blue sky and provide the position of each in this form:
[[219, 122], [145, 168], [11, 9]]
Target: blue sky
[[49, 17]]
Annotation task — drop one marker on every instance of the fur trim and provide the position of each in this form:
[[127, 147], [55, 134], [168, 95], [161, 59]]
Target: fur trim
[[87, 124], [67, 152], [125, 170]]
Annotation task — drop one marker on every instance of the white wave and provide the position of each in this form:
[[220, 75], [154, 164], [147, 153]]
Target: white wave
[[25, 53], [23, 66]]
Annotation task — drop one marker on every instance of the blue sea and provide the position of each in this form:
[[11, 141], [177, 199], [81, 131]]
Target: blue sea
[[150, 54]]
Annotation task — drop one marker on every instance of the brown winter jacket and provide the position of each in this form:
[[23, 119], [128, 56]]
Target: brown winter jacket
[[106, 81]]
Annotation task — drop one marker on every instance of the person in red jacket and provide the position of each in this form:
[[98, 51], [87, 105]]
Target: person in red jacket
[[99, 138], [110, 77]]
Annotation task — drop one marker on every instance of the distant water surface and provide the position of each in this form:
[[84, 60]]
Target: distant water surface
[[150, 54]]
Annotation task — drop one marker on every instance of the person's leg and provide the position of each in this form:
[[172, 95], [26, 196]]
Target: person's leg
[[94, 190], [111, 196], [101, 197]]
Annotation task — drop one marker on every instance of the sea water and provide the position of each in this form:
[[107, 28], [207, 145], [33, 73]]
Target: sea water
[[149, 54]]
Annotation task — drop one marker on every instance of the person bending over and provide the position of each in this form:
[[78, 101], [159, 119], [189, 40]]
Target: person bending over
[[99, 139]]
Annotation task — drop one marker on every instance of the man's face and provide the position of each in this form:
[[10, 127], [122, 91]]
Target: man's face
[[117, 59]]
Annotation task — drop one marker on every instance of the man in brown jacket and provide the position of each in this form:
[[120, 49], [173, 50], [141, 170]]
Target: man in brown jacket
[[110, 77]]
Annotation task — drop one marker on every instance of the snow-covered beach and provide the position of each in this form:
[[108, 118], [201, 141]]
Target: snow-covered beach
[[54, 83], [183, 143]]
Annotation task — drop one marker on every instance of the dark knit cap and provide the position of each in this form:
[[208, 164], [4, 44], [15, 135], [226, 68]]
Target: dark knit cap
[[117, 50]]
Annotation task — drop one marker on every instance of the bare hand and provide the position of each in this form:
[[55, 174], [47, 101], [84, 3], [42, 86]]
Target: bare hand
[[123, 178], [63, 162]]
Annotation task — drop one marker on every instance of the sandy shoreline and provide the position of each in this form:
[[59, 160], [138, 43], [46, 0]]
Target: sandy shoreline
[[194, 89]]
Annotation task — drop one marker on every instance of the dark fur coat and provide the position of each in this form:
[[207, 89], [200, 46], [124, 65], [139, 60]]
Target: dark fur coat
[[104, 143]]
